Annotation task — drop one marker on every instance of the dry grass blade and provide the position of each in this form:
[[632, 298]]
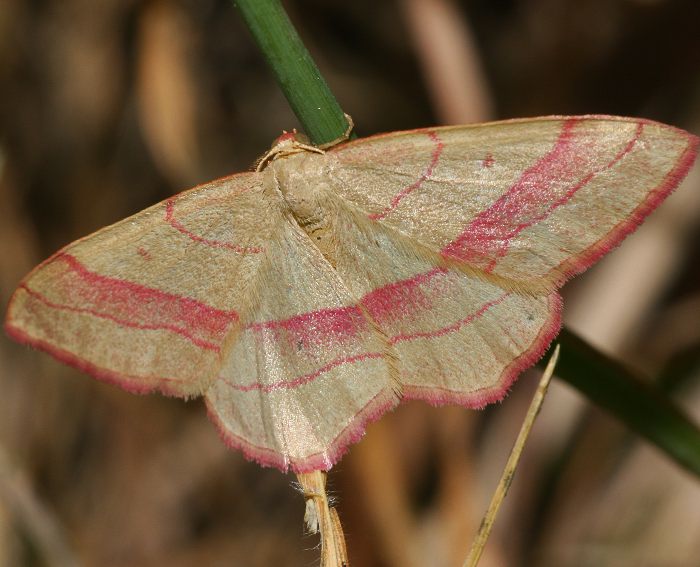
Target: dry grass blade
[[509, 470], [319, 516]]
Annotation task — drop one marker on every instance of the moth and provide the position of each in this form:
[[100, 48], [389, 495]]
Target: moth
[[305, 299]]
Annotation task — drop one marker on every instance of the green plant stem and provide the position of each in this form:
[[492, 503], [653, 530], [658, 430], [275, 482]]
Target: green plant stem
[[641, 406], [296, 73], [604, 381]]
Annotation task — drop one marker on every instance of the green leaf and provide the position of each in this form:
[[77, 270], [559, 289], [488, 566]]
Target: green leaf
[[643, 407]]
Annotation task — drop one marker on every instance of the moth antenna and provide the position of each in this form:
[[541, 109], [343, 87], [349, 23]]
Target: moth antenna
[[285, 148]]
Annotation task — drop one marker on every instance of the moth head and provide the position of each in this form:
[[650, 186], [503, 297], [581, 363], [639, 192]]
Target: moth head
[[289, 143], [290, 139]]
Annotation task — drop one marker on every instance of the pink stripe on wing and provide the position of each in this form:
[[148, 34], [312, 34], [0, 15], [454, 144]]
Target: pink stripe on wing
[[333, 325], [449, 328], [416, 184], [306, 378], [172, 221], [134, 305], [396, 299], [340, 320], [380, 403], [339, 324], [120, 321], [133, 383], [542, 188], [310, 377]]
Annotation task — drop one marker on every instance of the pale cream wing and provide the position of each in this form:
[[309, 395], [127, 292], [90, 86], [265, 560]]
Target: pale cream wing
[[533, 201], [148, 302], [307, 369]]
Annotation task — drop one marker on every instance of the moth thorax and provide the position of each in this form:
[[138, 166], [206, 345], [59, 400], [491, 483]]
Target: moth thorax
[[303, 207], [300, 191], [306, 195]]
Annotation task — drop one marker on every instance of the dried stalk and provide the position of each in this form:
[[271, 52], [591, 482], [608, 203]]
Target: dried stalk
[[509, 471], [320, 516]]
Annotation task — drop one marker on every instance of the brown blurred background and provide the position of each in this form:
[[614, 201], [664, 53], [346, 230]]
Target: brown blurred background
[[109, 106]]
